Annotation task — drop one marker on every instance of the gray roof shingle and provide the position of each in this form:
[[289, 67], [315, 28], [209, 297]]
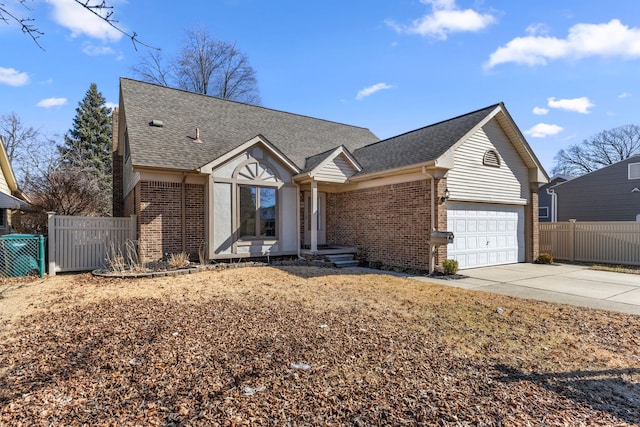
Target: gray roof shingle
[[418, 146], [223, 126]]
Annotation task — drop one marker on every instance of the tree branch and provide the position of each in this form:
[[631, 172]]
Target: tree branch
[[27, 26]]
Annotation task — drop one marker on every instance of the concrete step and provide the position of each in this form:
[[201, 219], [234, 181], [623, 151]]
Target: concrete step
[[340, 257], [343, 264]]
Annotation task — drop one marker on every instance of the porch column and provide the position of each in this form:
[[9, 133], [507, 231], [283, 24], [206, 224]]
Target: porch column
[[314, 216]]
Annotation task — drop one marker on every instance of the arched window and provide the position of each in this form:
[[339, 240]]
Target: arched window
[[256, 171], [257, 200]]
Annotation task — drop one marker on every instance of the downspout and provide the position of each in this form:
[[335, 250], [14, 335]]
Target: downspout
[[183, 212], [433, 214], [554, 204]]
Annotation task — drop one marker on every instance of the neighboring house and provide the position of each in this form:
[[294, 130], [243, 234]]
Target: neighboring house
[[611, 193], [11, 199], [546, 212], [243, 181]]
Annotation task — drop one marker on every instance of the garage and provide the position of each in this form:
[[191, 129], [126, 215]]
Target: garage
[[485, 234]]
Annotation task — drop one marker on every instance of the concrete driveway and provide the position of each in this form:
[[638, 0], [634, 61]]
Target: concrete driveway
[[560, 283]]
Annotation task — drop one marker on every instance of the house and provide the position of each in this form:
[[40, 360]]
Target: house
[[11, 199], [237, 180], [546, 213], [611, 193]]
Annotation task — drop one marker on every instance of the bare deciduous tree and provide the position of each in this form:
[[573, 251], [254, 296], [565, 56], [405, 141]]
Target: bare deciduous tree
[[101, 9], [603, 149], [151, 69], [19, 142], [204, 65]]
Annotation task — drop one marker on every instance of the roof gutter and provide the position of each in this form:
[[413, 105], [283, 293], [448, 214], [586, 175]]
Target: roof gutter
[[396, 171]]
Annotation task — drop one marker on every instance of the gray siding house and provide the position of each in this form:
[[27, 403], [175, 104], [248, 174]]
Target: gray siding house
[[546, 211], [608, 194]]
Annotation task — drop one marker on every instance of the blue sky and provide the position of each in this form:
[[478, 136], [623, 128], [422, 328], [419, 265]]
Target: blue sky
[[565, 69]]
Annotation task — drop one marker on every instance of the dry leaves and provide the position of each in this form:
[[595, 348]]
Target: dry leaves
[[305, 346]]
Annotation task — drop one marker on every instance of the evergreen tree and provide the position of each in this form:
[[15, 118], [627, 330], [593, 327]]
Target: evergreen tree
[[87, 145]]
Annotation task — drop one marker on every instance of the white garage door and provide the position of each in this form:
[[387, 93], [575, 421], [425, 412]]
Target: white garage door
[[485, 234]]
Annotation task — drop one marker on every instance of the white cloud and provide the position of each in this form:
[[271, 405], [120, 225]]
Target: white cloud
[[51, 102], [93, 50], [624, 95], [539, 111], [612, 39], [445, 18], [371, 90], [576, 105], [76, 18], [542, 130], [110, 105], [13, 77], [537, 29]]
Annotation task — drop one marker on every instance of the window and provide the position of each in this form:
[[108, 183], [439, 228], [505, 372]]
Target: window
[[634, 170], [3, 218], [491, 158], [257, 211], [543, 212]]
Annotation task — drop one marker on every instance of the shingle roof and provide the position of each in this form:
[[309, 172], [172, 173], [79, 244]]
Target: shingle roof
[[313, 161], [223, 126], [418, 146]]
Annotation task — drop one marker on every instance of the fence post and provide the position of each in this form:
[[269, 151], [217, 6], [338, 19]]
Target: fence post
[[41, 257], [572, 240], [134, 227], [52, 243]]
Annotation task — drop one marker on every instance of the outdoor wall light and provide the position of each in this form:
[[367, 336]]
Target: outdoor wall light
[[445, 196]]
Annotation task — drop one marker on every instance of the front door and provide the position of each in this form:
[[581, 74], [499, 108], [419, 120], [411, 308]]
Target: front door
[[322, 218]]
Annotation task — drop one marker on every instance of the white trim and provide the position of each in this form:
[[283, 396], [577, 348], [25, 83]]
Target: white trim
[[636, 170], [543, 216], [208, 168]]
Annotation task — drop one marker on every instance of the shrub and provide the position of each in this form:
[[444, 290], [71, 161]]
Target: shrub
[[544, 258], [178, 260], [450, 266]]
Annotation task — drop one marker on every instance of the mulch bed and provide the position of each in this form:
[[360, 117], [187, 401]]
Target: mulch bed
[[150, 361]]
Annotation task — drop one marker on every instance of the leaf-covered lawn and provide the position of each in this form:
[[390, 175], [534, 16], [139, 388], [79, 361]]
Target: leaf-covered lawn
[[307, 346]]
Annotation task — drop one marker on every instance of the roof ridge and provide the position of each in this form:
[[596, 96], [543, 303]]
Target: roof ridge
[[243, 103], [433, 124]]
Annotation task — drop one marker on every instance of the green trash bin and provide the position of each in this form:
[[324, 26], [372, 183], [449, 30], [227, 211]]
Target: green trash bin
[[21, 254]]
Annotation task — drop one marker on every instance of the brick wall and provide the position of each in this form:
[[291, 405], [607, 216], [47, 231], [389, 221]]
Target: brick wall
[[160, 218], [195, 217], [118, 202], [533, 228], [441, 219], [390, 224]]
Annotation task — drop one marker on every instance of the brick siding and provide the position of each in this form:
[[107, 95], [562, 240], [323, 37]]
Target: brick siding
[[389, 224], [533, 226], [160, 218], [118, 202]]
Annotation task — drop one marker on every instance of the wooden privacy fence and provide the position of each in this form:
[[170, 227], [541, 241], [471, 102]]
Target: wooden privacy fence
[[80, 243], [603, 242]]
